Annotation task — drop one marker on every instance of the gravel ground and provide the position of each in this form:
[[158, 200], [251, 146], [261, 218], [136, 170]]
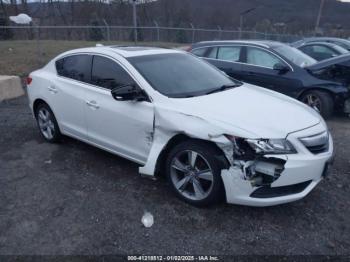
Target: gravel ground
[[72, 198]]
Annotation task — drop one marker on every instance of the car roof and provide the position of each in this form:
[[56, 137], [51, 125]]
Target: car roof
[[125, 51], [319, 43], [325, 38], [261, 43], [321, 39]]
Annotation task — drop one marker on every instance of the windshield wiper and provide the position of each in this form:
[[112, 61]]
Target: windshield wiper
[[223, 88]]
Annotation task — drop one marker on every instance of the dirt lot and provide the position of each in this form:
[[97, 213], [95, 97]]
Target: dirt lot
[[21, 57], [74, 199]]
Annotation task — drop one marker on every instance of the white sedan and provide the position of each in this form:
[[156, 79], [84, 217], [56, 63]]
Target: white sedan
[[176, 115]]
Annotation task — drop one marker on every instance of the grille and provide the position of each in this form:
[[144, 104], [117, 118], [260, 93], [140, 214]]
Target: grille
[[267, 191], [316, 144]]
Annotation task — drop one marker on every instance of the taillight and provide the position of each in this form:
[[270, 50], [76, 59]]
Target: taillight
[[188, 48], [29, 80]]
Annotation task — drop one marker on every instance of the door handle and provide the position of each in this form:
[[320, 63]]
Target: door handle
[[52, 89], [93, 104]]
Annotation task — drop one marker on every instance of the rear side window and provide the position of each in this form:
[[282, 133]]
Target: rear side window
[[76, 67], [108, 74], [229, 53]]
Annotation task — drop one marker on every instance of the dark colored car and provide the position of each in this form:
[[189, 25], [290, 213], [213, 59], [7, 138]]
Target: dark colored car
[[322, 85], [321, 50], [344, 43]]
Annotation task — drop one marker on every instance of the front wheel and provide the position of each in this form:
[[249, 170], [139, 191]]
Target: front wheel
[[320, 101], [194, 172]]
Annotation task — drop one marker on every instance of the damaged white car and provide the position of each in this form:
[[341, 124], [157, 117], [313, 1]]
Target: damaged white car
[[174, 114]]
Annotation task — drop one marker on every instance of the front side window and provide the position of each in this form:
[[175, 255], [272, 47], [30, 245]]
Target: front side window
[[229, 53], [108, 74], [180, 75], [259, 57], [77, 67]]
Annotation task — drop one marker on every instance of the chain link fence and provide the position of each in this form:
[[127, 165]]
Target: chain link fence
[[25, 48], [126, 33]]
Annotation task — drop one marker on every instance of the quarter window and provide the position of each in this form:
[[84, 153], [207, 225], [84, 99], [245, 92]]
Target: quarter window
[[212, 53], [259, 57], [108, 74], [229, 53], [76, 67], [200, 51], [307, 49]]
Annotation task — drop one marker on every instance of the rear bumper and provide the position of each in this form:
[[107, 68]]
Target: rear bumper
[[302, 172]]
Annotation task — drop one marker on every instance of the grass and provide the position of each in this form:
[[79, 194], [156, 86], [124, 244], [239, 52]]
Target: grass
[[21, 57]]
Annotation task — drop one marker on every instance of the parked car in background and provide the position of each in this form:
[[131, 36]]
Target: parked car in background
[[344, 43], [284, 69], [176, 115], [321, 50]]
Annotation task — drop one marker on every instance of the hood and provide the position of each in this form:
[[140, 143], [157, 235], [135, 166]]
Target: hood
[[343, 60], [334, 69], [258, 111]]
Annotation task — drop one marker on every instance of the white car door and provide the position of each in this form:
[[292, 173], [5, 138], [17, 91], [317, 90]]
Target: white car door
[[123, 127], [67, 98]]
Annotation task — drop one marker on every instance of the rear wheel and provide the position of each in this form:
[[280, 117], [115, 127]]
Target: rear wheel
[[47, 123], [194, 173], [320, 101]]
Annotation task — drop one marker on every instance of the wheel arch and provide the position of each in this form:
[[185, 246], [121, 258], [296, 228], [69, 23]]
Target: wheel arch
[[178, 139], [36, 103], [317, 88]]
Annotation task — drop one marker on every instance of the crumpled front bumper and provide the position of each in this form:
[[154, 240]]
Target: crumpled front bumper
[[302, 172]]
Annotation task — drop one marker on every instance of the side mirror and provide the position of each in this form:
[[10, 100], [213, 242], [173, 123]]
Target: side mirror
[[281, 68], [129, 93]]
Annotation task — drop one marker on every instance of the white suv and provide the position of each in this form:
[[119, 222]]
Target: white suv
[[176, 115]]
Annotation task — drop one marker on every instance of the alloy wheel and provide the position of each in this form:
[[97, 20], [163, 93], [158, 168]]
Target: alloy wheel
[[46, 124], [191, 175], [313, 101]]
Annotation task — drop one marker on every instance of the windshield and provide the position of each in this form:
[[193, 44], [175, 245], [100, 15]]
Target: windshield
[[295, 55], [180, 75]]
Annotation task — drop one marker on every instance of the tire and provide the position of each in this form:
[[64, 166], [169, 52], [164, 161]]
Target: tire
[[184, 177], [47, 123], [321, 101]]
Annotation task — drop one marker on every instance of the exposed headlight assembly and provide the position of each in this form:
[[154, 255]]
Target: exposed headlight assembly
[[245, 146], [271, 146]]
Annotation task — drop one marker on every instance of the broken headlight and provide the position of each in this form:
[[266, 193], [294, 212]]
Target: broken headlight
[[245, 146], [272, 146]]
